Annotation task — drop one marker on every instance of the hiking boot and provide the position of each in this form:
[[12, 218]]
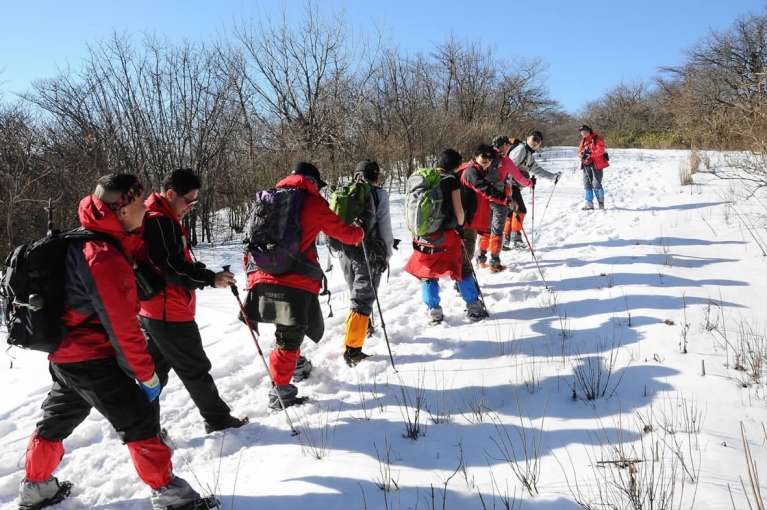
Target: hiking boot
[[288, 394], [179, 495], [495, 265], [476, 311], [206, 503], [435, 315], [230, 423], [588, 207], [482, 259], [353, 355], [371, 328], [34, 495], [506, 242], [601, 205], [302, 370]]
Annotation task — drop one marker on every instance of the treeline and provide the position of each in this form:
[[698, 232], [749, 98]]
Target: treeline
[[241, 110]]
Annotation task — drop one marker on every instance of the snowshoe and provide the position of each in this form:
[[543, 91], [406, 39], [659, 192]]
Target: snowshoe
[[65, 488], [302, 370], [199, 504], [231, 423]]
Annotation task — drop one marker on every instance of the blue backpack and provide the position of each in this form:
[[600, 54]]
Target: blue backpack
[[274, 234]]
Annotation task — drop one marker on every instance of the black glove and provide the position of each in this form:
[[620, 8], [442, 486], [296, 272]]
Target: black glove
[[535, 181], [585, 154], [395, 244], [459, 230], [556, 179]]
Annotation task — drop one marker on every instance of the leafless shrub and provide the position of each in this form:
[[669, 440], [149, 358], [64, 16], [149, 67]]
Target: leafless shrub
[[685, 175], [439, 407], [508, 502], [411, 406], [475, 406], [629, 476], [524, 458], [384, 480], [593, 373], [694, 162], [753, 475], [318, 441]]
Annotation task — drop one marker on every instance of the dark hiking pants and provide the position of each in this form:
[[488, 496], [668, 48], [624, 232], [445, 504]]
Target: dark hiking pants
[[178, 346]]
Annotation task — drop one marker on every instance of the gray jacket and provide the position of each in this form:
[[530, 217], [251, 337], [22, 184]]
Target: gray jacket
[[523, 157], [383, 220]]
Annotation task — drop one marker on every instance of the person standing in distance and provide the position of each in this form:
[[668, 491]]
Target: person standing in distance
[[592, 153]]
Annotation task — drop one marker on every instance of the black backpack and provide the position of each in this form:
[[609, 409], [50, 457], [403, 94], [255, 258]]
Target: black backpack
[[32, 288]]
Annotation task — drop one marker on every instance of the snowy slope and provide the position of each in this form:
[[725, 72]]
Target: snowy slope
[[623, 283]]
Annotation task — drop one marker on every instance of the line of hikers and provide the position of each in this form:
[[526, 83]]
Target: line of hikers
[[118, 363]]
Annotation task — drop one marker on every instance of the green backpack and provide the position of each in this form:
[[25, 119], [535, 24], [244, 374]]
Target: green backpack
[[352, 202], [423, 202]]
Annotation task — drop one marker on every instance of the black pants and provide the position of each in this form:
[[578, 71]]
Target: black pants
[[516, 196], [178, 345], [100, 384]]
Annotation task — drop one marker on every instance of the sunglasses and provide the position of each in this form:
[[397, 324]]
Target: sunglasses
[[190, 203], [487, 156], [536, 139]]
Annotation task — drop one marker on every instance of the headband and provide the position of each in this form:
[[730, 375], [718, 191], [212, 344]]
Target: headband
[[128, 197]]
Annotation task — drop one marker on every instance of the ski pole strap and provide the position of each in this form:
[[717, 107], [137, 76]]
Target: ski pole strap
[[326, 291]]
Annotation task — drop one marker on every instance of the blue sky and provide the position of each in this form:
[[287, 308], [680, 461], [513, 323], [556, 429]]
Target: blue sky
[[589, 46]]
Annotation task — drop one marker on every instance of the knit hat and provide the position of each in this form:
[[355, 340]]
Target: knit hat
[[500, 140], [536, 133], [309, 170], [584, 127], [369, 170]]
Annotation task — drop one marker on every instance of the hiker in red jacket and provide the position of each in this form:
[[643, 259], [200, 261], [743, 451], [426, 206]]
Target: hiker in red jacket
[[104, 364], [168, 319], [483, 181], [593, 162], [290, 300], [441, 253]]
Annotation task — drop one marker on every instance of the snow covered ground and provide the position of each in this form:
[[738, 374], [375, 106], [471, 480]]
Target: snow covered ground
[[643, 297]]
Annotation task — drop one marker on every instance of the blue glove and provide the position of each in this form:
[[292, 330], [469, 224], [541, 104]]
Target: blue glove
[[151, 388]]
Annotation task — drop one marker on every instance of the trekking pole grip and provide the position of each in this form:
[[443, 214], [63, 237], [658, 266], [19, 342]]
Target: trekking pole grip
[[232, 286]]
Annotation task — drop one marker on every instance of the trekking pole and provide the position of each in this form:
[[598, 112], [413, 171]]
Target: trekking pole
[[532, 217], [49, 210], [236, 293], [378, 303], [476, 282], [549, 201], [532, 252]]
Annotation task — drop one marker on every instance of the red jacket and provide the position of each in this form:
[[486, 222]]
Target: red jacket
[[596, 145], [477, 192], [100, 279], [316, 216], [168, 250]]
